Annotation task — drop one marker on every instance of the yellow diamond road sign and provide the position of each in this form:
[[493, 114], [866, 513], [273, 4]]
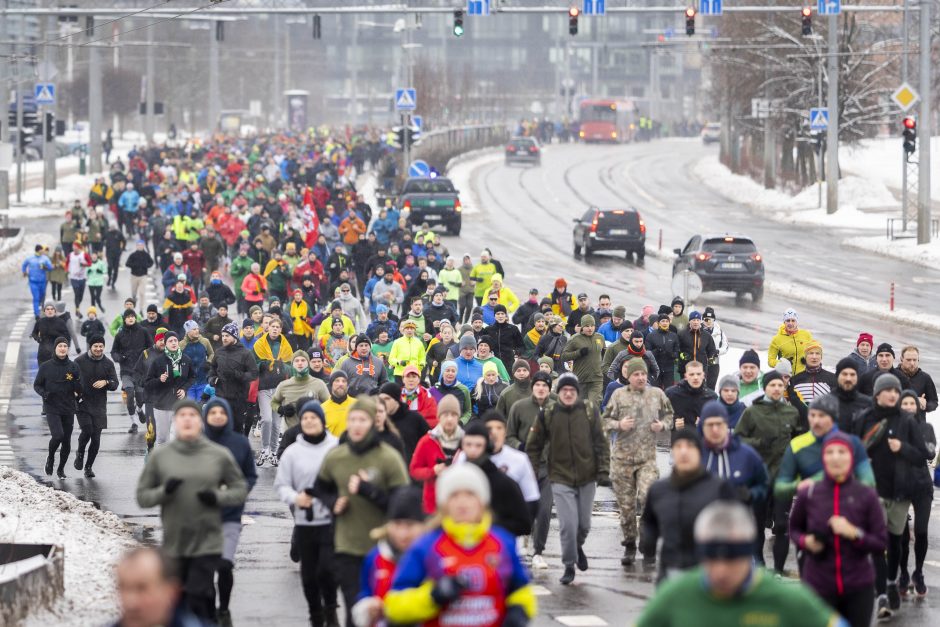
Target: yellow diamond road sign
[[905, 97]]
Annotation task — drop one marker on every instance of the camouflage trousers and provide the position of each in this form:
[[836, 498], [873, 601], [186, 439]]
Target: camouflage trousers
[[630, 483]]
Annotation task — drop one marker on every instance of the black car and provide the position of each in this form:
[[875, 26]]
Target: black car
[[729, 263], [610, 229], [523, 150], [432, 200]]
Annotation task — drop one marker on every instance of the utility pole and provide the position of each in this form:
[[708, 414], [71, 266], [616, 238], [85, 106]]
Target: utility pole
[[149, 98], [19, 130], [94, 104], [213, 111], [832, 131], [4, 129], [278, 88], [923, 159]]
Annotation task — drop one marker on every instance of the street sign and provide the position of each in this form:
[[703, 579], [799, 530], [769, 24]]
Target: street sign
[[710, 7], [45, 93], [760, 108], [594, 7], [478, 7], [406, 99], [687, 284], [905, 97], [417, 122], [419, 169], [669, 33], [818, 119], [828, 7]]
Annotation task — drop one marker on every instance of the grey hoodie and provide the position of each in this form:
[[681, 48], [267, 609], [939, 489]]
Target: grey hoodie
[[297, 471]]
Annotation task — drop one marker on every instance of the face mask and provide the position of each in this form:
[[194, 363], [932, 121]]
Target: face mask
[[216, 281]]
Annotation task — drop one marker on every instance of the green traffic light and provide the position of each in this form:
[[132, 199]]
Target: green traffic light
[[458, 30]]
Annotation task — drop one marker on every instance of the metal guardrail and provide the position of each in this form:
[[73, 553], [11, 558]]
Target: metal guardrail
[[447, 142], [894, 233]]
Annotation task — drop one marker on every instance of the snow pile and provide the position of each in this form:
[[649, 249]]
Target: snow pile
[[927, 255], [460, 171], [880, 160], [58, 201], [93, 541], [15, 249], [855, 193]]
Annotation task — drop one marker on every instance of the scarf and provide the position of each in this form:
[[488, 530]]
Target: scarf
[[634, 352], [298, 313], [263, 350], [175, 357], [409, 397], [314, 439], [467, 535], [451, 442]]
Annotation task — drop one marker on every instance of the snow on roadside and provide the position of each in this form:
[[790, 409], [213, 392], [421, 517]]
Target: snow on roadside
[[926, 255], [15, 250], [854, 193], [93, 541], [68, 188], [460, 171], [879, 160]]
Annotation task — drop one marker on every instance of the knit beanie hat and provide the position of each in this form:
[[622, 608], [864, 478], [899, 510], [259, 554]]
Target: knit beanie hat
[[637, 364], [885, 381], [784, 367], [300, 353], [490, 367], [546, 361], [520, 363], [315, 407], [884, 347], [544, 377], [390, 388], [231, 329], [448, 404], [750, 356], [187, 402], [828, 404], [499, 309], [865, 337], [338, 374], [406, 504], [664, 310], [773, 375], [695, 315], [714, 409], [846, 363], [587, 320], [813, 345], [95, 339], [728, 381], [569, 379], [686, 434], [60, 340], [467, 341], [462, 477], [365, 404], [493, 414], [620, 311]]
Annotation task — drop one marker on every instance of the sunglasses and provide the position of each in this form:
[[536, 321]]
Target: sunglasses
[[345, 291], [493, 300]]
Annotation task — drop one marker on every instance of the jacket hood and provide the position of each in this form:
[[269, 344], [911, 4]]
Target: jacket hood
[[216, 402]]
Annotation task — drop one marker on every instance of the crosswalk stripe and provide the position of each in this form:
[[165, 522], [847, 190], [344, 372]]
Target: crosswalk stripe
[[581, 620]]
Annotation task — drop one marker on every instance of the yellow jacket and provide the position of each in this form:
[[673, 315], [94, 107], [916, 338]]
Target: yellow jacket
[[336, 414], [327, 326], [508, 299], [790, 347], [406, 351]]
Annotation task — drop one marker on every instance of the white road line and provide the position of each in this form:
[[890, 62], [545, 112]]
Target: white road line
[[932, 563], [7, 378], [540, 591], [582, 620]]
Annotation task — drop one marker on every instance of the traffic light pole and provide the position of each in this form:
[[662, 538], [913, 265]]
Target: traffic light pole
[[923, 175], [19, 137], [405, 143], [832, 130], [48, 153]]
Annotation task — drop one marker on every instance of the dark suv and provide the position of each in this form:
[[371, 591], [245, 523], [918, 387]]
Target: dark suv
[[523, 150], [728, 263], [610, 229], [432, 200]]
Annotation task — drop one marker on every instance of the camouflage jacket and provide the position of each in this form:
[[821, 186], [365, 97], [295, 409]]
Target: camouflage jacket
[[637, 445]]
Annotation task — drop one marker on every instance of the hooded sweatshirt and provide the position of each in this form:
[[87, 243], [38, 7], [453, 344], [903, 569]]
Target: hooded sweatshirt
[[298, 471], [238, 446]]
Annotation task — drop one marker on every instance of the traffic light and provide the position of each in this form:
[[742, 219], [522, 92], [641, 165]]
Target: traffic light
[[458, 23], [910, 135], [807, 14], [220, 31], [573, 14], [50, 127], [316, 27], [690, 21], [411, 134]]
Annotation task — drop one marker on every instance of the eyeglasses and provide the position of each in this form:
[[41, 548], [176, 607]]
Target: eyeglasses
[[345, 291], [493, 300]]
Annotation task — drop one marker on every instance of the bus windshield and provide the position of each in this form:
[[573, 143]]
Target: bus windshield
[[598, 113]]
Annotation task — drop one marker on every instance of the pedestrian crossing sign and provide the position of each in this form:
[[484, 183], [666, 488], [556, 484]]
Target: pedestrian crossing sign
[[45, 93], [818, 119], [406, 99]]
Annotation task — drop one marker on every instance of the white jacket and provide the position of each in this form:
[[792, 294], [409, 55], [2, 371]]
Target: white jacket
[[297, 471]]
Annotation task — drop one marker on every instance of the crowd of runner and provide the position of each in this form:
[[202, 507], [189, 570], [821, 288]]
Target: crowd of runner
[[422, 417]]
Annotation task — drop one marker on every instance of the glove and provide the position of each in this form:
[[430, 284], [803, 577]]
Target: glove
[[288, 411], [603, 480], [583, 351], [743, 494], [446, 590], [171, 484], [515, 617], [208, 497]]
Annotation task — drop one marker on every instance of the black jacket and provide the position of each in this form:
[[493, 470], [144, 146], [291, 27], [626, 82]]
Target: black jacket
[[433, 313], [672, 505], [129, 343], [220, 294], [59, 383], [45, 331], [523, 315], [665, 348], [851, 405], [162, 394], [93, 408], [507, 342], [687, 402], [894, 472], [923, 384], [411, 425], [698, 347], [139, 262], [509, 507], [231, 372], [866, 383]]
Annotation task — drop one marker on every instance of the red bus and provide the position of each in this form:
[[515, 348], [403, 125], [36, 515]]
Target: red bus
[[603, 120]]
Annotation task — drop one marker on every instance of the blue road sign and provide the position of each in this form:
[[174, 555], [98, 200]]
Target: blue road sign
[[818, 119], [478, 7], [828, 7], [594, 7], [419, 169], [710, 7], [45, 93], [417, 121], [669, 33], [406, 99]]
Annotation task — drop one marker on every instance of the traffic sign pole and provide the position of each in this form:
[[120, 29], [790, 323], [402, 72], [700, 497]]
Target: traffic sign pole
[[923, 159], [405, 144], [832, 153]]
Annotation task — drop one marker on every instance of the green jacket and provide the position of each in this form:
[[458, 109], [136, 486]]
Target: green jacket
[[522, 415], [239, 269], [297, 387], [191, 528], [578, 451], [386, 472], [500, 367], [515, 392], [768, 426], [612, 351], [588, 367]]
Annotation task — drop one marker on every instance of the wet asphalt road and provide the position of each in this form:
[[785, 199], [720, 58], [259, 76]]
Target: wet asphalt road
[[526, 221]]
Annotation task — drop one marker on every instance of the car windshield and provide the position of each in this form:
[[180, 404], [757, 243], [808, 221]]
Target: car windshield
[[729, 246], [522, 143], [428, 186]]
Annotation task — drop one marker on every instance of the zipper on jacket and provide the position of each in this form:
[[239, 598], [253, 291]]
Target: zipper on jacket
[[840, 586]]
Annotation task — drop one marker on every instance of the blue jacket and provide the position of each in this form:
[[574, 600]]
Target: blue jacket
[[35, 267], [198, 354], [734, 412], [383, 229], [469, 372], [240, 448], [128, 201], [740, 465], [489, 316], [608, 332]]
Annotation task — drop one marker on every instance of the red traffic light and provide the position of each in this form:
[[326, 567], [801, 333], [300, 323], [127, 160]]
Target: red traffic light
[[690, 12], [807, 11], [910, 123], [574, 11]]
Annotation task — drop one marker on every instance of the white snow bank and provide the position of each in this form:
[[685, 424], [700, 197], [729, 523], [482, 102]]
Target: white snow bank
[[68, 188], [880, 160], [460, 171], [93, 541], [854, 193], [15, 250], [927, 255]]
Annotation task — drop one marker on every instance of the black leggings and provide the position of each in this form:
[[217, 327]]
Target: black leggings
[[78, 289], [855, 606], [198, 576], [90, 436], [226, 583], [347, 569], [95, 292], [886, 567], [466, 307], [60, 432], [315, 545], [56, 290], [921, 521], [778, 511], [113, 266]]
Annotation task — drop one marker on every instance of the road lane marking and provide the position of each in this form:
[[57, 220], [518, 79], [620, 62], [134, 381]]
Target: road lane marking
[[540, 591], [10, 362], [582, 620]]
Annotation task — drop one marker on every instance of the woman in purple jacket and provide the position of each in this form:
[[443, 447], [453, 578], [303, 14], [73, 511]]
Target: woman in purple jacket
[[839, 524]]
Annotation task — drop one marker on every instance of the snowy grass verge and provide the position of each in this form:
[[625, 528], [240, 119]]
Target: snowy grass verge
[[93, 541], [908, 250], [460, 171], [855, 193], [58, 200]]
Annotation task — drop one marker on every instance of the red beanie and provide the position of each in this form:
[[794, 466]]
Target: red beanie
[[865, 337]]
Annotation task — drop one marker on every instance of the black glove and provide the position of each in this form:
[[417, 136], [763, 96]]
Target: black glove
[[288, 410], [446, 590], [603, 480], [171, 484], [208, 497], [515, 617], [583, 351], [743, 494]]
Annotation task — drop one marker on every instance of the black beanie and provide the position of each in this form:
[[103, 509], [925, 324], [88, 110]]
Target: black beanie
[[846, 363], [686, 434], [664, 310], [60, 340], [476, 427], [773, 375], [406, 504], [750, 356], [544, 377], [884, 347], [392, 389], [493, 414], [187, 402]]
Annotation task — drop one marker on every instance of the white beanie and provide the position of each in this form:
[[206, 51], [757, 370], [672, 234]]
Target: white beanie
[[462, 477]]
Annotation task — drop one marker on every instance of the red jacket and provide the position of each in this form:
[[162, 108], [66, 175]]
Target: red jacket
[[424, 405], [428, 453]]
